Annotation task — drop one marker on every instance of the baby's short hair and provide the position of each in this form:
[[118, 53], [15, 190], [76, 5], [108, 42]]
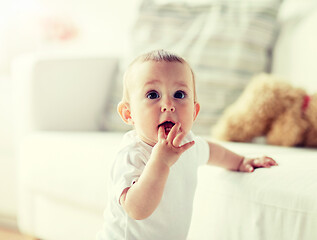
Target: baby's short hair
[[159, 56], [156, 56]]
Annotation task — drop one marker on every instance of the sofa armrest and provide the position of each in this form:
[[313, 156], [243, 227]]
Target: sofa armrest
[[61, 92]]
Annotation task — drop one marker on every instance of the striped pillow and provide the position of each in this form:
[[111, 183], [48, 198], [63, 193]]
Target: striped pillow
[[226, 43]]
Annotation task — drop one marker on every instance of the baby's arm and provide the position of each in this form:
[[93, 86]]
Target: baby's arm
[[143, 197], [222, 157]]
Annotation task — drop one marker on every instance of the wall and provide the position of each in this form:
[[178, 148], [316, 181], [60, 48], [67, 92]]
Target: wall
[[43, 26]]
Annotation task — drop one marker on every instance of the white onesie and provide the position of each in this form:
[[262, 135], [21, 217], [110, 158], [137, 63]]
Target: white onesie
[[171, 219]]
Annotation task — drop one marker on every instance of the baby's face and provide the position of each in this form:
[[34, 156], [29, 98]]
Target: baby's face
[[161, 93]]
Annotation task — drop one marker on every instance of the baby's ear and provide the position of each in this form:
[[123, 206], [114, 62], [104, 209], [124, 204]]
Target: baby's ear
[[196, 110], [125, 113]]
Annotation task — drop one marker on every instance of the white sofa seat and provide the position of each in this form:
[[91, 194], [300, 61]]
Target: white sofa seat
[[276, 203], [63, 190]]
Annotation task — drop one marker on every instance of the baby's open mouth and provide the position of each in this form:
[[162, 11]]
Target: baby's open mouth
[[167, 126]]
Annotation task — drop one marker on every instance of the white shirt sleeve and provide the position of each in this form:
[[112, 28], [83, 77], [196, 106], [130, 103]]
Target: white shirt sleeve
[[126, 170]]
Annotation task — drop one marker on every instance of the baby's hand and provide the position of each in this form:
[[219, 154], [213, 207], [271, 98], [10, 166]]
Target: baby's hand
[[168, 147], [249, 164]]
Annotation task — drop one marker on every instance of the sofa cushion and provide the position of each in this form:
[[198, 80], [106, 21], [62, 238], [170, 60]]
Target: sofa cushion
[[295, 54], [226, 42], [61, 91]]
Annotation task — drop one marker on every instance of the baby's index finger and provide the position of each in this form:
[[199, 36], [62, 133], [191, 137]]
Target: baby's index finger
[[161, 133]]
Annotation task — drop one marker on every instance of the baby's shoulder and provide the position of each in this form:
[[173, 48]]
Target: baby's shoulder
[[131, 148], [134, 152]]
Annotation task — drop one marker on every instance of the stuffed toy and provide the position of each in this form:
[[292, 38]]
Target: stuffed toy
[[269, 107]]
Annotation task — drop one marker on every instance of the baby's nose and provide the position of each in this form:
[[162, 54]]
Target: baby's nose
[[167, 104], [166, 109]]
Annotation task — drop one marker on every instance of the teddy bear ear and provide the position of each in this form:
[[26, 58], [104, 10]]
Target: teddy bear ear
[[125, 113]]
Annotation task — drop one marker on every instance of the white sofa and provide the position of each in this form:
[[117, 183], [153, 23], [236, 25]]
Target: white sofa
[[64, 159]]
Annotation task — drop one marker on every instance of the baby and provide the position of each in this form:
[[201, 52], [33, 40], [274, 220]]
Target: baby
[[153, 178]]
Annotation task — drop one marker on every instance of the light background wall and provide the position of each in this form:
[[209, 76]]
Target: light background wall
[[50, 26]]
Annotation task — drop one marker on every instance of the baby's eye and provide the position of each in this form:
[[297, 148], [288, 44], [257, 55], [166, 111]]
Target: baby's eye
[[179, 94], [152, 95]]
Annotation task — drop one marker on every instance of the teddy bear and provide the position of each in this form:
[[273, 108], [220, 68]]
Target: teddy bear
[[271, 107]]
